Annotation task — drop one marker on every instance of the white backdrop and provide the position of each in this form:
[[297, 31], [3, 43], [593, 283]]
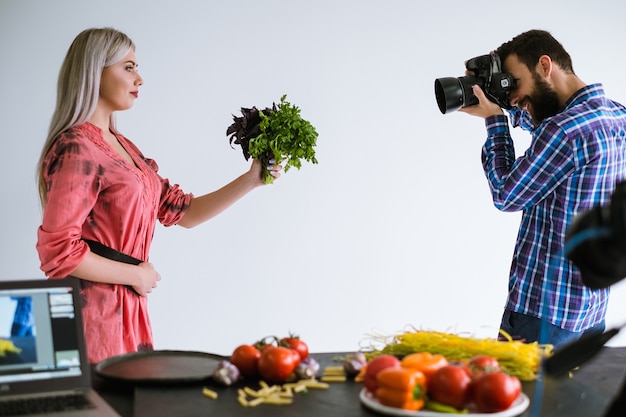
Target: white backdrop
[[394, 227]]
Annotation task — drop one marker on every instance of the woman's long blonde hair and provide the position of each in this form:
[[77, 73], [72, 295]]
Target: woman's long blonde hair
[[78, 87]]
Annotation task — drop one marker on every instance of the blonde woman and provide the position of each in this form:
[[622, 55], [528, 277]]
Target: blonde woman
[[101, 197]]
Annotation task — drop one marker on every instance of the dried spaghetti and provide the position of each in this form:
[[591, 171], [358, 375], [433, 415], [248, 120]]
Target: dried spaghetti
[[515, 357]]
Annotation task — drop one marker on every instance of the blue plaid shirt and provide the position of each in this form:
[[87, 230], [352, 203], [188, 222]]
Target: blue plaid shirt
[[574, 160]]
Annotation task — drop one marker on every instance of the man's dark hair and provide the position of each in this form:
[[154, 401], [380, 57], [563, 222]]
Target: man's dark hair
[[529, 46]]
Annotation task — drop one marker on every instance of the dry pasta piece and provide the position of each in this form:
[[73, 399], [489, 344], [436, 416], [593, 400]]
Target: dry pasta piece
[[276, 394], [299, 388], [277, 400], [209, 393], [334, 370], [333, 378], [313, 383], [256, 401]]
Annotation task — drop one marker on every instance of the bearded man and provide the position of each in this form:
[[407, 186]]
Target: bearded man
[[576, 156]]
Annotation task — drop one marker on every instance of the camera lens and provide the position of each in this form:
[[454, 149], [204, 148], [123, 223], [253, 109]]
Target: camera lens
[[455, 93], [449, 94]]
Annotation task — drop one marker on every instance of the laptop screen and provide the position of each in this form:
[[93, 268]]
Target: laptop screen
[[41, 340]]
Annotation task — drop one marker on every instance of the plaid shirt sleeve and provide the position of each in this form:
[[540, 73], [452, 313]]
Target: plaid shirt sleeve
[[517, 184]]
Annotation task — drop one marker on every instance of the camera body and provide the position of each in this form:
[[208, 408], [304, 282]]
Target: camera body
[[455, 93]]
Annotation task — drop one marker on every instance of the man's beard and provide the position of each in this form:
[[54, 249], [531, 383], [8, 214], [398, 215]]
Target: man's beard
[[543, 100]]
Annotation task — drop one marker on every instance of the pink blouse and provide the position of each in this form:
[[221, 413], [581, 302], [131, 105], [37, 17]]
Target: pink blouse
[[94, 193]]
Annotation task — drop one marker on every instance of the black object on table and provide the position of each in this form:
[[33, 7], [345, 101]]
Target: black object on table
[[587, 393]]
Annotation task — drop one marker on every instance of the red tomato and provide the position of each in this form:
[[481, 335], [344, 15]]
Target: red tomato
[[450, 385], [246, 359], [263, 347], [277, 363], [376, 365], [482, 363], [297, 344], [495, 391], [296, 356]]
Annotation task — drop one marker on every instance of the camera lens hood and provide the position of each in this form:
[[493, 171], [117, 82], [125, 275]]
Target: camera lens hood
[[449, 94]]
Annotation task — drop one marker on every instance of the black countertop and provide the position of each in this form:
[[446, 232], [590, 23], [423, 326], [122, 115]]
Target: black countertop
[[587, 393]]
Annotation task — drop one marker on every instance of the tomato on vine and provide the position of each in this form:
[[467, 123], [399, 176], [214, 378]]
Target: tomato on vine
[[297, 344], [246, 359], [277, 363]]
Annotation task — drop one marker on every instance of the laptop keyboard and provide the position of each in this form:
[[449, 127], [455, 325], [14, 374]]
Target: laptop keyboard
[[57, 403]]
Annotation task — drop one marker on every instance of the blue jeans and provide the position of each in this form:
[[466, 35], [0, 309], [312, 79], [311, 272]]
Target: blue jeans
[[527, 328]]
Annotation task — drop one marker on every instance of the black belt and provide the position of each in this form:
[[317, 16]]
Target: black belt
[[109, 253]]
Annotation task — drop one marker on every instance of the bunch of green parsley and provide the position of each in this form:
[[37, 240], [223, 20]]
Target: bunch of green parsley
[[278, 133]]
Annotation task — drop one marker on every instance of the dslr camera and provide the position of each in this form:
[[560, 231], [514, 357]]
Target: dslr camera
[[454, 93]]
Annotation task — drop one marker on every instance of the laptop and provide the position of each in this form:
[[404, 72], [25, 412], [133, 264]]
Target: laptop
[[45, 357]]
